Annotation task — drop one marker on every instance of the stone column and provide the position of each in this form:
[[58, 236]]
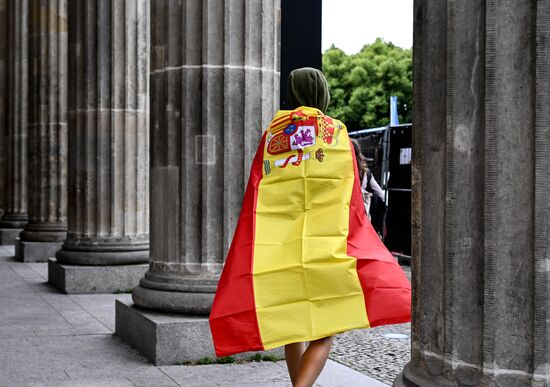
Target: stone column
[[214, 88], [3, 101], [108, 218], [47, 131], [15, 216], [481, 203]]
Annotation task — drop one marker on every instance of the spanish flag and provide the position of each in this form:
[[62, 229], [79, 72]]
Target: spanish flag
[[305, 263]]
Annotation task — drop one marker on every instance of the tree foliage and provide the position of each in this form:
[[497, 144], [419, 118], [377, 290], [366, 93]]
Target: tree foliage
[[361, 84]]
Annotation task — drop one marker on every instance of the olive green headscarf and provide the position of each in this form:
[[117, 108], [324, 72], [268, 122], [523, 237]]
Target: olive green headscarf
[[308, 87]]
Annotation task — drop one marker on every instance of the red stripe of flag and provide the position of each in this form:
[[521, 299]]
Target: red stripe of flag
[[233, 319]]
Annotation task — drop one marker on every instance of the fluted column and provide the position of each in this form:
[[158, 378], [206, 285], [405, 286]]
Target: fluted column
[[15, 216], [214, 87], [481, 203], [108, 133], [3, 101], [47, 128]]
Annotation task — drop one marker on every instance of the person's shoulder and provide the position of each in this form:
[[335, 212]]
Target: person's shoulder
[[284, 118], [303, 114], [333, 121]]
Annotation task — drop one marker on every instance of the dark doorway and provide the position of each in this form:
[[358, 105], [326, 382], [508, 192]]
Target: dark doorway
[[300, 38]]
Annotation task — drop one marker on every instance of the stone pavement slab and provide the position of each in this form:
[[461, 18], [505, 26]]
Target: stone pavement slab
[[250, 374], [338, 375], [7, 253], [51, 339], [39, 268], [263, 374], [84, 383], [101, 306]]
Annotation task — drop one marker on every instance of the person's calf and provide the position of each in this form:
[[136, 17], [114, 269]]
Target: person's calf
[[313, 361], [293, 357]]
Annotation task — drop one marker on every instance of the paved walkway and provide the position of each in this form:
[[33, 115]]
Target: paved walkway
[[53, 339]]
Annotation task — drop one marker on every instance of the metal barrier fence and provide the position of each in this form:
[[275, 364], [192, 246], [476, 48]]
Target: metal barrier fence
[[389, 151]]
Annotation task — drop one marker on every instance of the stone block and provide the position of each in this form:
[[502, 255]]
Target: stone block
[[168, 339], [35, 251], [8, 235], [77, 279]]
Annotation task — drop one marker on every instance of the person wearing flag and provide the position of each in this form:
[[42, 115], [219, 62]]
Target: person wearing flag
[[305, 263]]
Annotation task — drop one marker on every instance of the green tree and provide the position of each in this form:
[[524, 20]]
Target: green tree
[[361, 84]]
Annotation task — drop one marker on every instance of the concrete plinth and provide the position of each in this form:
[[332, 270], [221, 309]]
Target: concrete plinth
[[75, 279], [35, 251], [168, 339], [8, 235]]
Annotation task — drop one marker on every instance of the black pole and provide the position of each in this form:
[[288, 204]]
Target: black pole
[[300, 38]]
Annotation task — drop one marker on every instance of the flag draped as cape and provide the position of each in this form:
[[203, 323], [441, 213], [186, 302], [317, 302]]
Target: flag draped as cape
[[305, 263]]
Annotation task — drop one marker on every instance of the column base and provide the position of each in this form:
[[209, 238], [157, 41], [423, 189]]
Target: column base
[[410, 379], [44, 232], [35, 251], [103, 255], [14, 221], [168, 339], [461, 375], [173, 301], [74, 279], [400, 381], [442, 378], [8, 235]]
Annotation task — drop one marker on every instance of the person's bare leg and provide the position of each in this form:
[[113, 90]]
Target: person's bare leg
[[313, 361], [293, 357]]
